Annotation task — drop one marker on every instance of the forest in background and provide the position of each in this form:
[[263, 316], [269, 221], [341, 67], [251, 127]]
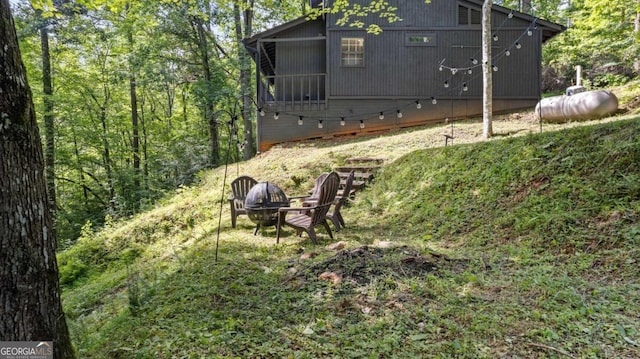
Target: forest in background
[[134, 98]]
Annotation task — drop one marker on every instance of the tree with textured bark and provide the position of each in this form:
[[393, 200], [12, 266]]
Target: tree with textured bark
[[30, 306], [487, 88], [243, 19]]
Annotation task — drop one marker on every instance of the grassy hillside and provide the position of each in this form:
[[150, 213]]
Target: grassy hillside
[[522, 247]]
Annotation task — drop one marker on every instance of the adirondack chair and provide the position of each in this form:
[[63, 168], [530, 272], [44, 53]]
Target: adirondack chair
[[335, 216], [314, 192], [307, 218], [239, 188]]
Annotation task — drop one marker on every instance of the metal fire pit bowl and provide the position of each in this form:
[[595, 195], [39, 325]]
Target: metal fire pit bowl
[[262, 203]]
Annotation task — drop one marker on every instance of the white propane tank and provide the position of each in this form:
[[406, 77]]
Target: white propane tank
[[589, 105]]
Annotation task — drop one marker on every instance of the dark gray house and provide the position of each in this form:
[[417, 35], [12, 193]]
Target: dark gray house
[[316, 79]]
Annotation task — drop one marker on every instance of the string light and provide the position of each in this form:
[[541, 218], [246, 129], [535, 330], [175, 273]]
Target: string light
[[381, 116], [418, 104], [474, 61], [470, 71], [495, 37], [446, 84], [464, 87], [342, 123], [320, 125], [300, 121], [454, 71], [261, 111], [434, 101], [529, 32], [510, 16], [495, 68], [361, 123], [276, 115], [507, 53], [518, 46], [399, 113]]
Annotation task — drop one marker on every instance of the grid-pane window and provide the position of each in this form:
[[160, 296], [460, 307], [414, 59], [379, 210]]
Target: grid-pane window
[[352, 51]]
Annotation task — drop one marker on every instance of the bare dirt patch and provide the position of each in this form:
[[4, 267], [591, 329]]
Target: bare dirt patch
[[365, 264]]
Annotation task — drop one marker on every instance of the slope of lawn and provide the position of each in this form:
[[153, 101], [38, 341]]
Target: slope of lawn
[[523, 247]]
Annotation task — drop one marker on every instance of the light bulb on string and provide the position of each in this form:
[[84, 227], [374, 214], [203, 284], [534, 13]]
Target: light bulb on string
[[320, 125], [434, 101], [441, 68], [529, 32], [470, 71], [418, 104], [510, 16], [495, 68], [300, 121], [507, 53], [276, 115], [261, 111], [361, 123], [454, 71], [399, 114], [342, 123], [474, 61], [495, 37], [446, 84], [465, 87], [381, 116], [518, 45]]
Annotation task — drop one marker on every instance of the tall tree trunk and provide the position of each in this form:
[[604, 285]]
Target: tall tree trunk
[[203, 45], [245, 72], [135, 141], [636, 33], [487, 67], [30, 306], [106, 157], [49, 127]]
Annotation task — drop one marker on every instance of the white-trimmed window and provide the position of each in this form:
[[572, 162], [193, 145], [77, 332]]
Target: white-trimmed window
[[352, 51]]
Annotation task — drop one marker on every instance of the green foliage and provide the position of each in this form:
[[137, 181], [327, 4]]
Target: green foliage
[[88, 256], [526, 247], [545, 190], [599, 33]]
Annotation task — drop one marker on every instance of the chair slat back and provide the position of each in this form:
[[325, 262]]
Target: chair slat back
[[316, 187], [240, 187], [326, 196]]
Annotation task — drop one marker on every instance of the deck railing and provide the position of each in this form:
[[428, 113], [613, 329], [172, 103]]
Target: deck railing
[[295, 91]]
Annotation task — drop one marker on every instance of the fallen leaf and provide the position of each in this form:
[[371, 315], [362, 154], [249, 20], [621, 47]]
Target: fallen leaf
[[336, 246], [307, 331], [332, 277], [308, 255], [384, 244]]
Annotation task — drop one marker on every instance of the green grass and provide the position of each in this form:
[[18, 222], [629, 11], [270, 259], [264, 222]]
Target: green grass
[[523, 247]]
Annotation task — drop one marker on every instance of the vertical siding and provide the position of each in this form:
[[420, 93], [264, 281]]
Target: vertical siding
[[395, 70]]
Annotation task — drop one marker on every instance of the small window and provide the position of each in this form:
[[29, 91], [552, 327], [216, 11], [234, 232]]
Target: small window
[[420, 39], [352, 51], [469, 16]]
